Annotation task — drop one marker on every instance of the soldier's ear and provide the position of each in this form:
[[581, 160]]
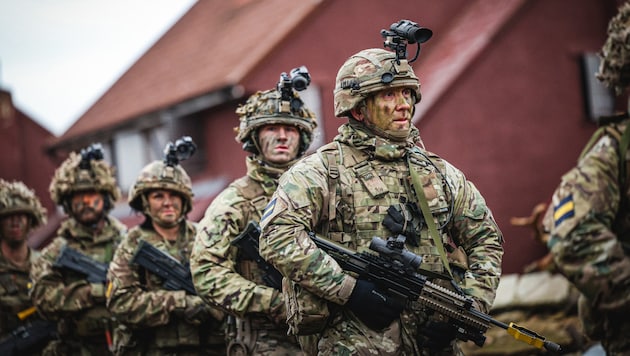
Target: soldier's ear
[[357, 113]]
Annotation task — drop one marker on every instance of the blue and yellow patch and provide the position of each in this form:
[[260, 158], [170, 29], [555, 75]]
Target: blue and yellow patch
[[563, 210], [268, 209]]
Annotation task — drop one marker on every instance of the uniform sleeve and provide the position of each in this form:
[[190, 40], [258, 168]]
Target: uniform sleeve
[[127, 298], [584, 246], [214, 260], [293, 211], [52, 297], [475, 229]]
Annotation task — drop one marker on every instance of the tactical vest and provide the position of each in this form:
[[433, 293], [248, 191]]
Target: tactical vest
[[361, 189], [256, 201]]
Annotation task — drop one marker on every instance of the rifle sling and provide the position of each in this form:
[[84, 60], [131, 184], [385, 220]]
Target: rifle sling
[[428, 217]]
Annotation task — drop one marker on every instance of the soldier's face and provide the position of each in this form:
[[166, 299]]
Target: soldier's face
[[165, 206], [14, 227], [88, 207], [390, 109], [279, 143]]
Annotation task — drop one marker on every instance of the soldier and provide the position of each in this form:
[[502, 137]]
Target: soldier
[[20, 213], [373, 180], [85, 186], [589, 218], [153, 319], [276, 134]]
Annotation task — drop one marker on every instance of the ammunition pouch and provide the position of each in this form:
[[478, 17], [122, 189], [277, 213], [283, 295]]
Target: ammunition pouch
[[93, 322], [307, 313]]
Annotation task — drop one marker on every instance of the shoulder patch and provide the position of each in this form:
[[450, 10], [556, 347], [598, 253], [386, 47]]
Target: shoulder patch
[[563, 210], [269, 209]]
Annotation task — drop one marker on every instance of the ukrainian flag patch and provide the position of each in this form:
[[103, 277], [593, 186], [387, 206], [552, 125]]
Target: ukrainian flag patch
[[269, 209], [563, 210]]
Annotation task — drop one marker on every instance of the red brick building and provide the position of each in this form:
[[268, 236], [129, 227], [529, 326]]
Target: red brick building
[[505, 94]]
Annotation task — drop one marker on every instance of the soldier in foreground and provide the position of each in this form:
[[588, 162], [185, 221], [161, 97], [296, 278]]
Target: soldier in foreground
[[277, 129], [84, 185], [20, 213], [589, 218], [376, 179], [155, 319]]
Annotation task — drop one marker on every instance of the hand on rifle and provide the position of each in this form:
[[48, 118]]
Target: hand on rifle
[[197, 311], [374, 308]]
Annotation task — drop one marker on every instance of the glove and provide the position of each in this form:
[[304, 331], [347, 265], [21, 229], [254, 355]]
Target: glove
[[404, 220], [437, 335], [375, 309], [195, 312]]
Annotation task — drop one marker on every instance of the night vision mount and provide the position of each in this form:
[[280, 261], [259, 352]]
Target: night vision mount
[[298, 79], [179, 151], [402, 33], [92, 152]]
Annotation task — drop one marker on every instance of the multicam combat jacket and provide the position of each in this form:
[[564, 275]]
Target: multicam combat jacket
[[589, 224], [343, 192], [147, 310], [14, 292], [66, 296], [222, 274]]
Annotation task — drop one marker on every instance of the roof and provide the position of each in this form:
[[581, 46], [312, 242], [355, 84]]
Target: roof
[[200, 54]]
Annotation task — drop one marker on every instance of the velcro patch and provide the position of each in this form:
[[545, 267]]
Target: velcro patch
[[564, 210]]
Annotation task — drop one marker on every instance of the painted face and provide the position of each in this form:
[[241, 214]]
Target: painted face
[[88, 207], [390, 109], [279, 143], [14, 227], [165, 206]]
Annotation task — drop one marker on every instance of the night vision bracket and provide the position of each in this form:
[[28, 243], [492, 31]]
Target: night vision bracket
[[402, 33], [92, 152], [179, 151], [298, 79]]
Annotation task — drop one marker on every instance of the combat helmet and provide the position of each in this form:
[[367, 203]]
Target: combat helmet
[[614, 68], [16, 197], [282, 105], [166, 174], [367, 72], [84, 171]]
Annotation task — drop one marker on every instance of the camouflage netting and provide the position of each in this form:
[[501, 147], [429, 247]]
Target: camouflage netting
[[70, 178], [16, 197], [614, 69]]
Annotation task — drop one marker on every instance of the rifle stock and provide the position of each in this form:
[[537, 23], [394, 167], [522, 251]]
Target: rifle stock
[[175, 275], [247, 241], [94, 271], [395, 274], [28, 338]]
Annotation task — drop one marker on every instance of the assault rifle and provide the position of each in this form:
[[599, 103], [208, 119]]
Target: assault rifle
[[247, 241], [175, 275], [28, 338], [94, 271], [395, 271]]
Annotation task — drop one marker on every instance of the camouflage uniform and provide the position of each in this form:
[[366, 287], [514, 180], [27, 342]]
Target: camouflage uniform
[[343, 193], [152, 318], [78, 306], [589, 218], [222, 274], [16, 198]]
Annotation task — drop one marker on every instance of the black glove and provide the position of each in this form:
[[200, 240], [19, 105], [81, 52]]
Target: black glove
[[437, 335], [404, 220], [372, 307]]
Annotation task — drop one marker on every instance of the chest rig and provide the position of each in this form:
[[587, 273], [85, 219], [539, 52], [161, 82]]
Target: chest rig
[[256, 200], [362, 188]]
